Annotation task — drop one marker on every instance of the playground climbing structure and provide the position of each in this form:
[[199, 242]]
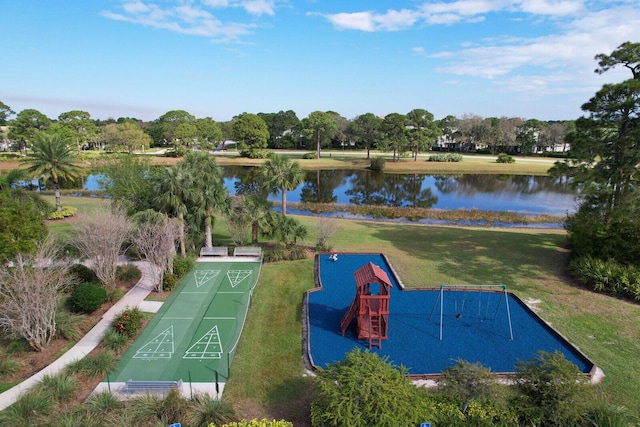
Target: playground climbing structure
[[370, 306]]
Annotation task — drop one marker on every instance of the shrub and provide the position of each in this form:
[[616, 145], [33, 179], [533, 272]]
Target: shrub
[[377, 164], [553, 391], [607, 276], [93, 366], [128, 273], [309, 156], [169, 282], [207, 410], [115, 341], [68, 324], [505, 158], [128, 322], [28, 410], [88, 297], [84, 273], [66, 211], [61, 386], [366, 390], [182, 266], [284, 253], [446, 157], [8, 366]]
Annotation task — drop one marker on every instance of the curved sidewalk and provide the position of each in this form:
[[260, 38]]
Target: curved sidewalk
[[91, 340]]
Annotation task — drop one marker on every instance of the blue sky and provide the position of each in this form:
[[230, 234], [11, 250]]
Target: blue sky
[[219, 58]]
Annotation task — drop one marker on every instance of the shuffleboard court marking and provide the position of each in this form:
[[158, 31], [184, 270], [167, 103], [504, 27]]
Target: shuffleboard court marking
[[207, 347], [161, 347], [237, 276], [219, 318], [203, 277]]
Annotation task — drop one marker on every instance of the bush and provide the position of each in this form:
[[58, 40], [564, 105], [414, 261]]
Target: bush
[[608, 276], [309, 156], [68, 324], [284, 253], [377, 164], [505, 158], [366, 390], [128, 273], [93, 366], [553, 391], [169, 282], [446, 157], [128, 322], [66, 211], [88, 297], [84, 273], [115, 341], [182, 266]]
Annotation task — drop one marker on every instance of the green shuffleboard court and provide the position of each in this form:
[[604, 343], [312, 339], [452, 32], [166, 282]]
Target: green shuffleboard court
[[195, 333]]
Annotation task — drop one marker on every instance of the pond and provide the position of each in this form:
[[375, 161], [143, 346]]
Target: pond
[[526, 195]]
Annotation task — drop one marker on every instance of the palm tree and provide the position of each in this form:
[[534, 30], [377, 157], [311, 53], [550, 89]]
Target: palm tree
[[207, 181], [256, 209], [52, 159], [176, 193], [281, 173]]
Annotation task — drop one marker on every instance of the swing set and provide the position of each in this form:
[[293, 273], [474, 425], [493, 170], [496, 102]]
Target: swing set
[[485, 309]]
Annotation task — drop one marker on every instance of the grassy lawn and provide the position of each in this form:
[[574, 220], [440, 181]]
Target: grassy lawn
[[268, 377]]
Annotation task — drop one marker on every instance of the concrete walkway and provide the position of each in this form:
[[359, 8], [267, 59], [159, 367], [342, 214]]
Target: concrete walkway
[[133, 298]]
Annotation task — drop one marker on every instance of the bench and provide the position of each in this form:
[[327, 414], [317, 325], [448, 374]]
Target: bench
[[214, 251], [248, 251], [162, 386]]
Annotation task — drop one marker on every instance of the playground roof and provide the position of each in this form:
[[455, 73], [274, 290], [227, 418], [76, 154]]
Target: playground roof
[[371, 273]]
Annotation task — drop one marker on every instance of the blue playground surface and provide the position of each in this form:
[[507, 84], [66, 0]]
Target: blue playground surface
[[475, 324]]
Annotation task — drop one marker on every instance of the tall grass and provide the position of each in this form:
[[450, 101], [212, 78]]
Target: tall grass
[[61, 386]]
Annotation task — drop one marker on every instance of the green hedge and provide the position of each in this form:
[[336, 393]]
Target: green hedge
[[446, 157], [607, 276]]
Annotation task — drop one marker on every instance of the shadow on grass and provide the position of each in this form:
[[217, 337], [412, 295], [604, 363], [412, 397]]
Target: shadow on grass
[[291, 400], [479, 256]]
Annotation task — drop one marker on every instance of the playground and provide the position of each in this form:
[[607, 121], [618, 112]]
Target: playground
[[191, 341], [425, 330]]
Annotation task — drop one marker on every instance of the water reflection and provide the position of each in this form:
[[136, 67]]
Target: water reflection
[[521, 194]]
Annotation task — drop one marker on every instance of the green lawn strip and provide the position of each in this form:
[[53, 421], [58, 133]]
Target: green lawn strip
[[267, 369], [474, 165]]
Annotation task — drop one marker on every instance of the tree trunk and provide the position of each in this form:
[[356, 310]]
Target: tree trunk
[[318, 144], [183, 250], [254, 232], [56, 189], [207, 228], [284, 201]]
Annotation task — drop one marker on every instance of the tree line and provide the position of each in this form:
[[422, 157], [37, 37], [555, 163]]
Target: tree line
[[402, 134]]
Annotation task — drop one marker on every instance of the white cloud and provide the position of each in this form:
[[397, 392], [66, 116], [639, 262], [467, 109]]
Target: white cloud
[[193, 17], [419, 51], [392, 20], [259, 7], [551, 7], [362, 21]]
